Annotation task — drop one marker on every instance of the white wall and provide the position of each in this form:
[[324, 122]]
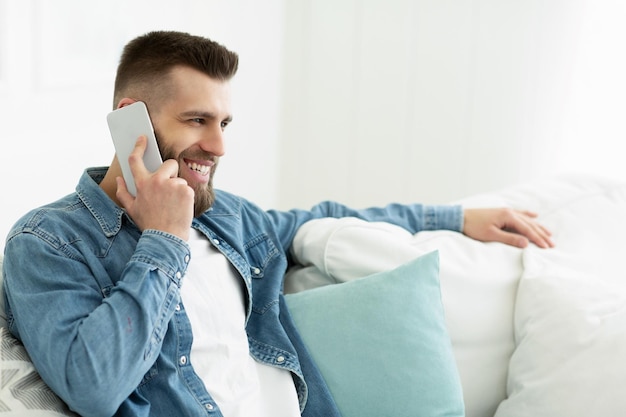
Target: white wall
[[362, 101], [57, 64], [430, 101]]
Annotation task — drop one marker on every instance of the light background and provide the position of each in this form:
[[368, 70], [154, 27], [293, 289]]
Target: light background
[[364, 102]]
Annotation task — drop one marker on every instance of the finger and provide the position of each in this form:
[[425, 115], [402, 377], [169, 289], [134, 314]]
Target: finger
[[537, 235], [527, 229], [545, 230], [546, 235], [510, 238], [534, 231], [125, 198], [135, 159], [528, 213], [169, 168]]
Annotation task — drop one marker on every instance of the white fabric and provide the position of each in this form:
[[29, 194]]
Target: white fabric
[[22, 391], [480, 288], [213, 296], [478, 284], [567, 331], [3, 314], [570, 320]]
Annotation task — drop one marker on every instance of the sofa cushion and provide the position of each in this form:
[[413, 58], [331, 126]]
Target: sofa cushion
[[478, 283], [570, 316], [3, 314], [22, 391], [381, 342]]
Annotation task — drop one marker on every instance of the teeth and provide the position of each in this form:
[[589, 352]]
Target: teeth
[[202, 169]]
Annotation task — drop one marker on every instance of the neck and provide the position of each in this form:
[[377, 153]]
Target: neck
[[108, 183]]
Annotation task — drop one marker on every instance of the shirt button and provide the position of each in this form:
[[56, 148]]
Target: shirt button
[[186, 259], [256, 271], [183, 360], [217, 242], [177, 307], [179, 275], [280, 359], [209, 407]]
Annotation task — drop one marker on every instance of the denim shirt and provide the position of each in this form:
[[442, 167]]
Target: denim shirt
[[96, 301]]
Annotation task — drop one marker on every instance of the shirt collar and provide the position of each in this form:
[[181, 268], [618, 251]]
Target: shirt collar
[[108, 214]]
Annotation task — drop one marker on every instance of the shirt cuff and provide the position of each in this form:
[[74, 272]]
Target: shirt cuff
[[443, 218]]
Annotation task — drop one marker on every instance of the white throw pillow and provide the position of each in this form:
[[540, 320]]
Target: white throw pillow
[[3, 314], [570, 319], [571, 329], [22, 391]]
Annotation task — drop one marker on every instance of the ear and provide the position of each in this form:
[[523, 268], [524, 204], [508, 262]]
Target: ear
[[125, 102]]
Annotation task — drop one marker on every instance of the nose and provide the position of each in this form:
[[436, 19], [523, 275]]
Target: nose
[[213, 141]]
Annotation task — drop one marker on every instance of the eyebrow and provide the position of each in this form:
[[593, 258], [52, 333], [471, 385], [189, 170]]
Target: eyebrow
[[204, 114]]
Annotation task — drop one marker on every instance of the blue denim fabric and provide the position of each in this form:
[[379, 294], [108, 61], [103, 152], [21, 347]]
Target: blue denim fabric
[[96, 302]]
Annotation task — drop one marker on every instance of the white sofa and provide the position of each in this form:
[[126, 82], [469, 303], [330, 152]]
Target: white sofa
[[534, 332]]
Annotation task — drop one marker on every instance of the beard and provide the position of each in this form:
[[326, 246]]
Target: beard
[[204, 194]]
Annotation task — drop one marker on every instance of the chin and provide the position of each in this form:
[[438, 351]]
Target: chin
[[204, 199]]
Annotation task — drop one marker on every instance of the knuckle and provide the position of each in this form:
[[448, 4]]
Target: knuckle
[[509, 214], [134, 159], [171, 163], [189, 193]]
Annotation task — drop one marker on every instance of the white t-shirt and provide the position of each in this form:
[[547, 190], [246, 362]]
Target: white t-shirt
[[213, 295]]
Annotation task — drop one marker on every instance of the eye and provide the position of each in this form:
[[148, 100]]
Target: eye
[[197, 120], [224, 124]]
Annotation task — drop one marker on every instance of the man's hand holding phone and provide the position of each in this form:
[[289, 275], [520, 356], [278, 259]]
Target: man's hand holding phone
[[151, 192], [163, 201]]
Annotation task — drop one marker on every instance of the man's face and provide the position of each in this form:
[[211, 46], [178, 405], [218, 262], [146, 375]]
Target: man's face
[[189, 127]]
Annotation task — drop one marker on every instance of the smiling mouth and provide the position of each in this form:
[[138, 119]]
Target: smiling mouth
[[199, 168]]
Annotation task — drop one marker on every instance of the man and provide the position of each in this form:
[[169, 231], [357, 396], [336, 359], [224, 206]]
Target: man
[[168, 303]]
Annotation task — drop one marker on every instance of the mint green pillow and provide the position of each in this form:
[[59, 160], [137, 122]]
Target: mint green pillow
[[381, 342]]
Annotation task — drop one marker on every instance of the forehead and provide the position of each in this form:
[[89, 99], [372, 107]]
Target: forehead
[[190, 87]]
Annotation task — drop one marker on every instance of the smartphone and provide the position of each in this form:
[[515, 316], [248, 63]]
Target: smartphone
[[126, 124]]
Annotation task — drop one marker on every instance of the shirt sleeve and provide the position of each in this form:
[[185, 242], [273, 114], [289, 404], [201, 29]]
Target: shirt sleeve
[[91, 348], [412, 217]]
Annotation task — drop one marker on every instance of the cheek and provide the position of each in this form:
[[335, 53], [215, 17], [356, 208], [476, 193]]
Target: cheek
[[166, 149], [166, 145], [167, 153]]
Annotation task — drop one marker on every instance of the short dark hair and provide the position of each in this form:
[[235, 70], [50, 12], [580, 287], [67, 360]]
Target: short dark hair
[[147, 60]]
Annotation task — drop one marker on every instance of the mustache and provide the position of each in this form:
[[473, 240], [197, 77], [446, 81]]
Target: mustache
[[198, 154]]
